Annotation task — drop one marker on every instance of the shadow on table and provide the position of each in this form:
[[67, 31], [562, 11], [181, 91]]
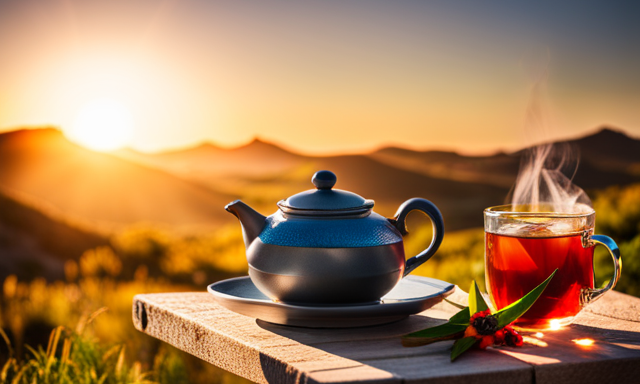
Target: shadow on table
[[577, 353]]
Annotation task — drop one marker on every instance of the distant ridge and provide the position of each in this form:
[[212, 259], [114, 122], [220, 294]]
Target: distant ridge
[[607, 157], [609, 146], [257, 159], [605, 133]]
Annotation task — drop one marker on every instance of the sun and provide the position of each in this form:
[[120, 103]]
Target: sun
[[102, 125]]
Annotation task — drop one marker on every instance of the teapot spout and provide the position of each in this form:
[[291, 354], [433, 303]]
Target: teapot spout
[[252, 222]]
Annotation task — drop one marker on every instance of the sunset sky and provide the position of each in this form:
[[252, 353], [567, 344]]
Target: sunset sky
[[321, 76]]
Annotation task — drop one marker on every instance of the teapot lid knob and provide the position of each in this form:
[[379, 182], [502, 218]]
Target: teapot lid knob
[[324, 179]]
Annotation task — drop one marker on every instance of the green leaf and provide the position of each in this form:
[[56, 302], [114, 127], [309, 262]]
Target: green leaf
[[461, 345], [461, 318], [476, 301], [509, 314], [431, 335]]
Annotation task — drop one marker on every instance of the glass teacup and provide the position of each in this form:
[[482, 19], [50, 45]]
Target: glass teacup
[[522, 248]]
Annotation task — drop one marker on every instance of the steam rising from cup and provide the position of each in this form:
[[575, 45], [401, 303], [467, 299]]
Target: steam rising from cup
[[543, 182]]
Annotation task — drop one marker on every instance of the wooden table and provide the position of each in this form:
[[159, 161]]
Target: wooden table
[[267, 353]]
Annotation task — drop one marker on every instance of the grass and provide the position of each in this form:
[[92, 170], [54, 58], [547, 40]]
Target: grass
[[72, 358], [89, 345]]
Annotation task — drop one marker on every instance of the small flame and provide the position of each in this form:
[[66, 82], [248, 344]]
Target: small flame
[[584, 342], [539, 335], [554, 325]]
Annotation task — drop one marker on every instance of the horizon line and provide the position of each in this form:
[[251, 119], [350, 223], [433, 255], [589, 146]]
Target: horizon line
[[297, 151]]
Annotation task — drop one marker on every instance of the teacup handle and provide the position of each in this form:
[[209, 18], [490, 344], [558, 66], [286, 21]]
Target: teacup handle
[[438, 229], [589, 295]]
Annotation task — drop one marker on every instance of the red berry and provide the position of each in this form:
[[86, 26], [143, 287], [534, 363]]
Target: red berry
[[519, 342], [487, 341], [470, 332], [512, 338], [499, 336], [479, 314]]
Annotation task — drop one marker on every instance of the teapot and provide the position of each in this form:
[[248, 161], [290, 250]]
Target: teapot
[[326, 246]]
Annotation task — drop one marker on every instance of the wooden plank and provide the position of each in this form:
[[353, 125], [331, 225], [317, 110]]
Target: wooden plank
[[306, 361], [193, 323], [268, 353], [616, 305], [473, 367], [361, 374], [177, 318]]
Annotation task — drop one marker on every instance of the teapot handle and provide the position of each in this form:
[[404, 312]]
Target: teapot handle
[[438, 229]]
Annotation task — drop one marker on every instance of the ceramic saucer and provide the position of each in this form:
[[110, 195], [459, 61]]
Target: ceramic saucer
[[413, 294]]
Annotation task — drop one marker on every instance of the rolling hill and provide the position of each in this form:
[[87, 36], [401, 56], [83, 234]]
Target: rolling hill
[[101, 188], [461, 186], [499, 169], [34, 242]]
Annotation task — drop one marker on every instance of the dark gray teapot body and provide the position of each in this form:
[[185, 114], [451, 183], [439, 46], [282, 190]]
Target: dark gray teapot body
[[342, 254]]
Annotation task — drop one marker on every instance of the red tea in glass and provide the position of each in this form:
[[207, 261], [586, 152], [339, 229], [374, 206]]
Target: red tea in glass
[[522, 248]]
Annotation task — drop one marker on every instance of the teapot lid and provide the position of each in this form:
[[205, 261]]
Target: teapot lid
[[324, 200]]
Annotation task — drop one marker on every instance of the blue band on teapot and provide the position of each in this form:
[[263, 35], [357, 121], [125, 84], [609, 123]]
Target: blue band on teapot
[[373, 231]]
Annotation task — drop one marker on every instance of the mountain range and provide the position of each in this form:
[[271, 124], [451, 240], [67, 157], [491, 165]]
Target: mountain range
[[50, 187], [461, 186]]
